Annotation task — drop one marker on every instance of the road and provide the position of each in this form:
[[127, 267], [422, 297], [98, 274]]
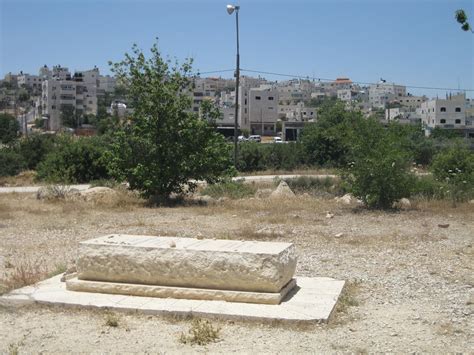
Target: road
[[254, 178]]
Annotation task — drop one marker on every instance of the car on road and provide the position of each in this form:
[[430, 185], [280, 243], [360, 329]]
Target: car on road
[[277, 140], [255, 138]]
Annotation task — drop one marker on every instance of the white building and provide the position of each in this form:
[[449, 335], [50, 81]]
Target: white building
[[449, 113], [258, 109], [29, 81], [382, 93], [297, 113]]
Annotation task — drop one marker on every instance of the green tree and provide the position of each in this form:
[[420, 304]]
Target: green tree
[[9, 128], [378, 173], [461, 17], [68, 116], [164, 146]]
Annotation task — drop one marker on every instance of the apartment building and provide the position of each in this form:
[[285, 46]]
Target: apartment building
[[29, 81], [297, 113], [78, 91], [382, 93], [448, 113], [410, 102]]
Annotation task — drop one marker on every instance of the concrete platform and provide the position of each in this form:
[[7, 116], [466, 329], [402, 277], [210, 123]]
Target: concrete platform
[[311, 301]]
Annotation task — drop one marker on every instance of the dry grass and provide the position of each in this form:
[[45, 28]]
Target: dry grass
[[202, 332], [308, 171], [112, 320], [347, 300], [25, 178], [22, 273]]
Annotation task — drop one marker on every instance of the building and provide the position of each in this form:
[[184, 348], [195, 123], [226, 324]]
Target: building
[[78, 92], [298, 112], [258, 109], [32, 82], [382, 93], [107, 84], [448, 113]]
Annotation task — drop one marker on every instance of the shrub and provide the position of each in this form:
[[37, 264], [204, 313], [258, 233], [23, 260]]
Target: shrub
[[378, 174], [230, 189], [11, 163], [250, 157], [455, 167], [283, 156], [427, 187], [9, 128], [35, 147], [75, 160], [201, 333]]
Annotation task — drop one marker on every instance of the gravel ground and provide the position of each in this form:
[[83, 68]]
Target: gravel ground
[[411, 281]]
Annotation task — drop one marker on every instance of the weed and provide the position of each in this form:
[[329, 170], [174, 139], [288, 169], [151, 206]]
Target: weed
[[346, 300], [230, 189], [54, 192], [13, 349], [111, 320], [60, 269], [327, 186], [24, 273], [202, 332]]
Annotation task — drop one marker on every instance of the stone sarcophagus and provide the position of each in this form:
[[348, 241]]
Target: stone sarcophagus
[[237, 271]]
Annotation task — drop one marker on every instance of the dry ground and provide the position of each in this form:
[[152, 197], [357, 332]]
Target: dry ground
[[411, 281]]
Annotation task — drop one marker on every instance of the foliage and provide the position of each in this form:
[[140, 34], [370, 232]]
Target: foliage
[[164, 145], [455, 167], [230, 189], [250, 157], [326, 142], [75, 160], [35, 147], [443, 134], [412, 140], [428, 187], [461, 17], [11, 163], [9, 128], [378, 174], [201, 332]]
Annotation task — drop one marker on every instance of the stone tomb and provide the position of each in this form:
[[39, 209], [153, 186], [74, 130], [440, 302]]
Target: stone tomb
[[186, 268]]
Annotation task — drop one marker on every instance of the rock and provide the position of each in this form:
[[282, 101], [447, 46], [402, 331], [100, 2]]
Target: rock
[[329, 215], [282, 191], [471, 202], [211, 264], [347, 199], [403, 204], [445, 225], [338, 235], [97, 193]]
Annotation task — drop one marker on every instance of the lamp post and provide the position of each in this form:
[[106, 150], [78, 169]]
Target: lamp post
[[230, 10]]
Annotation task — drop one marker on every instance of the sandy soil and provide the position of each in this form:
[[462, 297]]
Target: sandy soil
[[411, 280]]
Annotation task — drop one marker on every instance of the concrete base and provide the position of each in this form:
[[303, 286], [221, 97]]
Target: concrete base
[[74, 284], [311, 301]]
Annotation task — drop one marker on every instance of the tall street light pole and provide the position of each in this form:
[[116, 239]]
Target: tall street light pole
[[230, 10]]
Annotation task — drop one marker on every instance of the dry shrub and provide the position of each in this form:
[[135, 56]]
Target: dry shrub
[[202, 332], [23, 273], [111, 320], [25, 178]]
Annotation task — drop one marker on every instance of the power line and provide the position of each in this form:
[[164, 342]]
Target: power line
[[198, 73], [355, 82]]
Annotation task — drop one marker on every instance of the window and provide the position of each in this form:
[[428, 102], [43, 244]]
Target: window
[[258, 98], [458, 121], [270, 98], [245, 101], [457, 109], [442, 121], [443, 109]]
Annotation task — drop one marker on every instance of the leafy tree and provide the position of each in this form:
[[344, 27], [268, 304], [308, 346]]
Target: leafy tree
[[325, 141], [11, 163], [164, 146], [378, 173], [461, 17], [9, 128], [68, 116], [35, 147]]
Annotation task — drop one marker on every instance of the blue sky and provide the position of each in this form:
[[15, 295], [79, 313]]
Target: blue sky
[[412, 42]]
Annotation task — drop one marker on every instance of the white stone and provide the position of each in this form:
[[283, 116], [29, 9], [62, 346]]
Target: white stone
[[200, 263], [282, 191], [99, 192]]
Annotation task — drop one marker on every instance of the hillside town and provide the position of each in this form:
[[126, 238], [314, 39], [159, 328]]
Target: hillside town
[[57, 99]]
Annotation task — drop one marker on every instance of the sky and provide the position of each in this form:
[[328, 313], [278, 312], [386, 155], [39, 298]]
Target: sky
[[410, 42]]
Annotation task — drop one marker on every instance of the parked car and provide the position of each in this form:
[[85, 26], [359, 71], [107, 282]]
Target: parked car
[[277, 140], [255, 138], [242, 139]]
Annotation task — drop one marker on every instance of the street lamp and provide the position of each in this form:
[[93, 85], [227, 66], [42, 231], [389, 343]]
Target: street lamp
[[230, 11]]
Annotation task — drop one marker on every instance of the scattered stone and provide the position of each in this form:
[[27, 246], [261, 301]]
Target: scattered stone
[[446, 225], [329, 215], [347, 199], [282, 191], [338, 235], [403, 204]]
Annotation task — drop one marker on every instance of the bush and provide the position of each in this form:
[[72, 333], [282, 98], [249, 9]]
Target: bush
[[378, 174], [9, 128], [11, 163], [428, 187], [250, 157], [202, 332], [35, 147], [75, 160], [454, 166], [230, 189]]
